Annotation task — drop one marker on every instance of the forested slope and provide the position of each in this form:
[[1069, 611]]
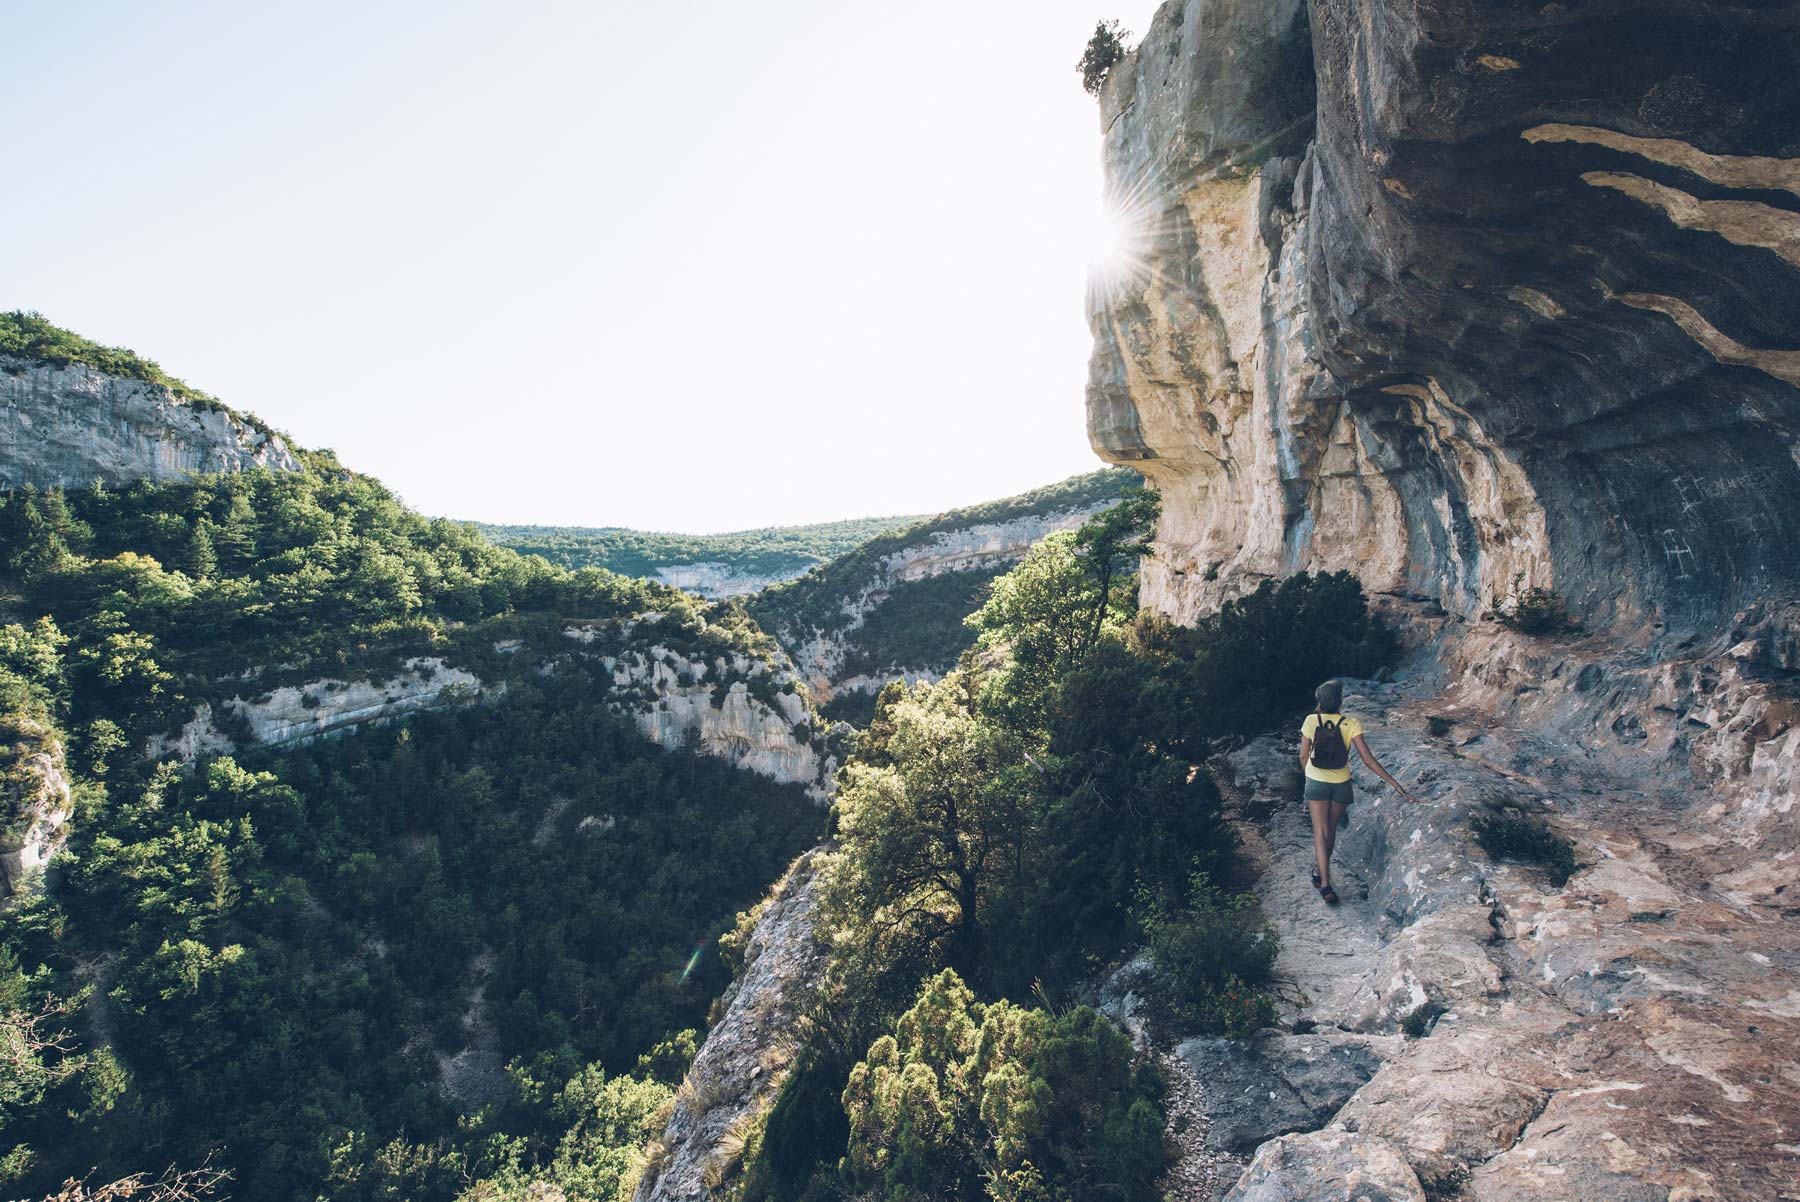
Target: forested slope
[[467, 946]]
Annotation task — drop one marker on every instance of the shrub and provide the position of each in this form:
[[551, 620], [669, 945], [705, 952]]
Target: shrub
[[1419, 1021], [1213, 955], [1518, 837], [966, 1100], [1531, 611], [1104, 51], [1438, 725]]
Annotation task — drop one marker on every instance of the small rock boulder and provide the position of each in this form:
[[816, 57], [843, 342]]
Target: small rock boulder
[[1328, 1166]]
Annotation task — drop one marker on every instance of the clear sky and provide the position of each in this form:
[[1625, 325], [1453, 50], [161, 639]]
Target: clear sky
[[691, 265]]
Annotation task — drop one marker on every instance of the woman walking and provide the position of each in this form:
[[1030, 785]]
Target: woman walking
[[1325, 741]]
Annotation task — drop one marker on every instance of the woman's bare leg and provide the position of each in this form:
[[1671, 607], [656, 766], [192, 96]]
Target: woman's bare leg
[[1323, 830], [1337, 818]]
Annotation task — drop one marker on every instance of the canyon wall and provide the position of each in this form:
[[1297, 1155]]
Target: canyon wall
[[1513, 299], [716, 581], [296, 714], [985, 546], [1466, 298], [750, 712], [74, 425], [38, 806]]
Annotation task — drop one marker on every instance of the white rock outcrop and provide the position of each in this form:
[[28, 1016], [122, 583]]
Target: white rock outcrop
[[820, 658], [716, 581], [296, 714], [42, 808], [739, 1070], [74, 425], [768, 729]]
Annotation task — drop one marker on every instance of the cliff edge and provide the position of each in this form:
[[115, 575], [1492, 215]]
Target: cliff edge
[[1470, 300]]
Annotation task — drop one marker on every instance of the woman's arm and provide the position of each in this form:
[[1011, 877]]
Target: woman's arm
[[1305, 752], [1368, 757]]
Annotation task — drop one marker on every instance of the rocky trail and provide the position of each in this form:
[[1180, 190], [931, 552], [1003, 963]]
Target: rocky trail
[[1465, 1029]]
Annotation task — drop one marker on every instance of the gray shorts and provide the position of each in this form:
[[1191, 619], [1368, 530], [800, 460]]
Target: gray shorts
[[1327, 790]]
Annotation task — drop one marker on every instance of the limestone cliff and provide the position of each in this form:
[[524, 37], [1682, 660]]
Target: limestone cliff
[[1515, 295], [73, 425], [716, 581], [1451, 297], [294, 714], [746, 710], [38, 807], [748, 1052], [822, 653]]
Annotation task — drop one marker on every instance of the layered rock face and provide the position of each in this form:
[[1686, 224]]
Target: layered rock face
[[986, 546], [296, 714], [39, 810], [716, 581], [740, 1069], [74, 425], [744, 710], [1515, 296], [1512, 297]]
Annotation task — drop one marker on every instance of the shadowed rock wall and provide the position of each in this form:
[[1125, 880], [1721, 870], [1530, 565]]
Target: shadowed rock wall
[[1523, 296]]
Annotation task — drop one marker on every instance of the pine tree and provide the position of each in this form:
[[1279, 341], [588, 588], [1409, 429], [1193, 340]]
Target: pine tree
[[235, 539], [201, 561]]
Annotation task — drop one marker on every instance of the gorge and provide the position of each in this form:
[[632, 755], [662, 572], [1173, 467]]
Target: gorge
[[1490, 308]]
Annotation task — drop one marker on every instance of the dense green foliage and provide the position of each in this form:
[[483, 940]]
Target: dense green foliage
[[971, 1101], [813, 604], [1212, 957], [768, 551], [277, 952], [31, 337], [919, 625], [1104, 51], [1009, 832]]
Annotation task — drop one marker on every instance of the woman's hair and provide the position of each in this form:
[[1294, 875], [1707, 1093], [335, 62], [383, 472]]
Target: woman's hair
[[1330, 696]]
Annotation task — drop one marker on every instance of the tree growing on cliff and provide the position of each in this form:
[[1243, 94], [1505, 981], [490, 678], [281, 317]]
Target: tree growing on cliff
[[1104, 51], [1000, 1102]]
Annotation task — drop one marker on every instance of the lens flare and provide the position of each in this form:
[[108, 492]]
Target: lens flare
[[1124, 230], [693, 962]]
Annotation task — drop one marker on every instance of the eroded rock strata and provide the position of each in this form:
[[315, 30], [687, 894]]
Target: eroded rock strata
[[1506, 301], [1515, 295], [73, 425]]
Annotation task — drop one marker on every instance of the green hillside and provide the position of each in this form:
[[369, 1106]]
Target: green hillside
[[813, 603], [261, 962], [768, 551]]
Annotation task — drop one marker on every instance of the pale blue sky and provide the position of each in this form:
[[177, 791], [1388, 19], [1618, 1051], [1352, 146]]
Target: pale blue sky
[[691, 265]]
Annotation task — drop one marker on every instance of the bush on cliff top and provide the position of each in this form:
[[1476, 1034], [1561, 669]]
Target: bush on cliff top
[[31, 336], [1104, 51]]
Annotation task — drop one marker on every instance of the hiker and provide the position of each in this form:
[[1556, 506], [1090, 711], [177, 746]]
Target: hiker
[[1325, 741]]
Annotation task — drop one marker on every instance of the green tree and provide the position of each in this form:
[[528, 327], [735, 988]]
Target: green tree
[[924, 838], [997, 1101], [201, 561], [1104, 51]]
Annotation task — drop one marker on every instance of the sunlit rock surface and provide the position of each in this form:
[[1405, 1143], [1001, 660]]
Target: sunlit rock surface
[[740, 1069], [38, 808], [716, 581], [75, 425], [1521, 300], [1513, 300], [747, 711], [295, 714]]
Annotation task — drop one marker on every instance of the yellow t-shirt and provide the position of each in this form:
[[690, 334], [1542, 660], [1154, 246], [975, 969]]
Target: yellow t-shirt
[[1349, 727]]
